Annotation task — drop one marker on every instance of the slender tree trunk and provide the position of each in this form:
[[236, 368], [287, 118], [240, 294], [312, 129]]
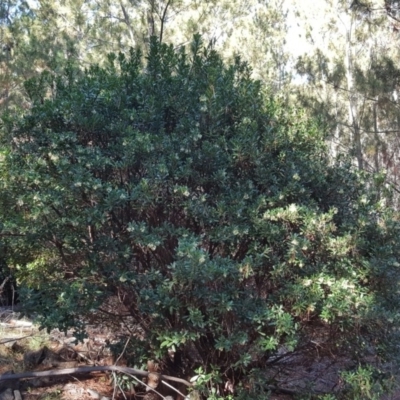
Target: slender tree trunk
[[128, 24], [376, 137], [352, 101], [150, 19]]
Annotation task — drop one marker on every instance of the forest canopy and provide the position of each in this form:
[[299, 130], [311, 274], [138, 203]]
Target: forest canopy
[[177, 187]]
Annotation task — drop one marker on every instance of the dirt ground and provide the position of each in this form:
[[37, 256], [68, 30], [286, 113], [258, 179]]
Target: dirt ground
[[24, 348]]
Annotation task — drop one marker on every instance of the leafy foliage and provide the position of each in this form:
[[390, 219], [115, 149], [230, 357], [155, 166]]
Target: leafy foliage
[[208, 208]]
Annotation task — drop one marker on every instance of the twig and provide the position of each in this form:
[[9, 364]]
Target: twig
[[120, 388], [173, 388], [123, 351], [115, 385]]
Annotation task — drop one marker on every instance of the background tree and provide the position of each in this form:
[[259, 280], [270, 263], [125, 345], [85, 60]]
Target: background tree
[[351, 83], [46, 33]]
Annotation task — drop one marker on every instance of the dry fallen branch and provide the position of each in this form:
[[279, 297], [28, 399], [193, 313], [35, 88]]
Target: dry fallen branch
[[84, 370], [9, 340], [113, 368]]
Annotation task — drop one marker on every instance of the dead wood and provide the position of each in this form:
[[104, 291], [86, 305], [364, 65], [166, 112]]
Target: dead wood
[[84, 370]]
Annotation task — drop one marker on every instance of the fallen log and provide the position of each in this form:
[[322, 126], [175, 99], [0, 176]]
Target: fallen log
[[85, 370]]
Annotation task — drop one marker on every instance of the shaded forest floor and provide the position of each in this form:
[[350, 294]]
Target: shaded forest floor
[[24, 348]]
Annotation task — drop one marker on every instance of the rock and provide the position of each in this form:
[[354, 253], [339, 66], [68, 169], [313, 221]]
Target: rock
[[10, 394], [7, 394], [93, 394], [9, 384], [17, 395]]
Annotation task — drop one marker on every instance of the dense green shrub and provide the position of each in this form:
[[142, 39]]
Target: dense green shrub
[[210, 210]]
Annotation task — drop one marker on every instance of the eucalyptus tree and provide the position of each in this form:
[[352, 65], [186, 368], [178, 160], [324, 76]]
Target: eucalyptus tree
[[351, 81], [46, 32], [9, 11], [37, 36], [255, 29]]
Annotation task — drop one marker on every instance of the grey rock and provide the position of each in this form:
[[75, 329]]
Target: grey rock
[[8, 384], [17, 395], [93, 394], [7, 394]]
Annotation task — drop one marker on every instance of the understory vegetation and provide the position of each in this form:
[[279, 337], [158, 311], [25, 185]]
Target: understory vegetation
[[177, 188]]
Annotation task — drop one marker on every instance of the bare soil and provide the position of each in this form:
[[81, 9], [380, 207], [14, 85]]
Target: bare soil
[[24, 348]]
